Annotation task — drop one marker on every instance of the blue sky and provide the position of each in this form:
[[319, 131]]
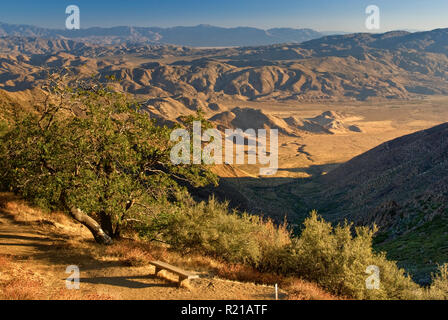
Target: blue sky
[[322, 15]]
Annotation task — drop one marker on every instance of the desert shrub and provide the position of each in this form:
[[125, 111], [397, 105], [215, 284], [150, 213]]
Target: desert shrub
[[210, 228], [275, 242], [3, 127], [439, 287], [336, 258]]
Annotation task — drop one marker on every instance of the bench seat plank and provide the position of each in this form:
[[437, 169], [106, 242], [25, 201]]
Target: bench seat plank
[[181, 273]]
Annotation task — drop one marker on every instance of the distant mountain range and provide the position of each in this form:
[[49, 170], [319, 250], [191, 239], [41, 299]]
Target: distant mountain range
[[341, 67], [197, 36]]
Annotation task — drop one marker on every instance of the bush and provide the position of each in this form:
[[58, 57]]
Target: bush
[[209, 227], [439, 286], [333, 257], [337, 260]]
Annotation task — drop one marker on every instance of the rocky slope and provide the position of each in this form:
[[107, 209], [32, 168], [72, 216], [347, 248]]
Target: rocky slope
[[402, 187], [399, 170]]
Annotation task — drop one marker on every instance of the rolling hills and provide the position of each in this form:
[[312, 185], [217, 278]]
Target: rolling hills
[[355, 67]]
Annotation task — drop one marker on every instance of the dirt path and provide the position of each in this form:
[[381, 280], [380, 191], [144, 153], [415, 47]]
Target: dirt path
[[41, 246]]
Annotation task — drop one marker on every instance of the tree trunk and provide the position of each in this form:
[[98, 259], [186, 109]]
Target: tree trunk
[[98, 233], [106, 223]]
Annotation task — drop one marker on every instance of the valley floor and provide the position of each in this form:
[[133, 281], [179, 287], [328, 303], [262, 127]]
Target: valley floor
[[310, 155], [379, 121]]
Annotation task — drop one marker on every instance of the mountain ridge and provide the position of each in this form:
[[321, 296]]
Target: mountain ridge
[[196, 36], [401, 186]]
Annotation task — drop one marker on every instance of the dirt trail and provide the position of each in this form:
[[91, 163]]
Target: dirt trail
[[42, 246]]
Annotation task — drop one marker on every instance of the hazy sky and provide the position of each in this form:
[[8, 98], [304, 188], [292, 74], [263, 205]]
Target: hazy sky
[[322, 15]]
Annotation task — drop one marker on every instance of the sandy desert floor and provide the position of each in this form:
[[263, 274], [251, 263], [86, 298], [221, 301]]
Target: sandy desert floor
[[379, 122]]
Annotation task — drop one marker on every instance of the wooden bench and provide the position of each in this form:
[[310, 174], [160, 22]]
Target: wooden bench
[[184, 276]]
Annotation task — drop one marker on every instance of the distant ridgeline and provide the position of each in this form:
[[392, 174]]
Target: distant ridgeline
[[197, 36], [394, 65]]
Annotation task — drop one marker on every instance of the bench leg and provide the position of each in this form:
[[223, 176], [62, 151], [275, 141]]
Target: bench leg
[[158, 271], [183, 282]]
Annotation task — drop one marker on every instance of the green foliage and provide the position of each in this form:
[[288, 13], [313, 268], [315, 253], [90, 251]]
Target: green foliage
[[337, 259], [334, 257], [3, 127], [209, 227], [422, 249], [439, 286], [199, 116], [93, 148]]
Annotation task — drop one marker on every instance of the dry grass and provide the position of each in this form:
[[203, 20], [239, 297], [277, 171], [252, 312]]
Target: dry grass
[[244, 273], [296, 288], [5, 261], [22, 289], [302, 290], [131, 253]]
